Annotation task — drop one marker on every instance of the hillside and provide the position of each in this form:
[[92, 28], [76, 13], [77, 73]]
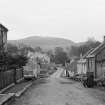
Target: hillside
[[44, 42]]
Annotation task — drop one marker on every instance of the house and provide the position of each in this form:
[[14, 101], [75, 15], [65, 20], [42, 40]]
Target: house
[[96, 61], [44, 58], [72, 66], [82, 63], [3, 38], [81, 66], [32, 68]]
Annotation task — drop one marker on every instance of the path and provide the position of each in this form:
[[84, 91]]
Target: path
[[58, 91]]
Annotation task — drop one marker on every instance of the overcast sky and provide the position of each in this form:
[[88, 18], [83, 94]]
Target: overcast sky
[[72, 19]]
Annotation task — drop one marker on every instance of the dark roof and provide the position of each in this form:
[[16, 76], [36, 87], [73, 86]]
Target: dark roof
[[84, 56], [96, 50], [3, 27]]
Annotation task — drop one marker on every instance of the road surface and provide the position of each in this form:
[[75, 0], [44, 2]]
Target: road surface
[[59, 91]]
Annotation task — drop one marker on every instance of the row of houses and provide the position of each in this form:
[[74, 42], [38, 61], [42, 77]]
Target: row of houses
[[93, 62]]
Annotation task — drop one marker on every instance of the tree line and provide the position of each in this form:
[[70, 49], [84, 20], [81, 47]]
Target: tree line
[[17, 56], [60, 56], [83, 49]]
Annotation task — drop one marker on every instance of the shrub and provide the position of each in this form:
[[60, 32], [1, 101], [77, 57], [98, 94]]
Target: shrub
[[16, 61], [10, 61]]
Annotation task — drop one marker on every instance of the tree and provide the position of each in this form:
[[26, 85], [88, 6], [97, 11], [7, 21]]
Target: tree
[[58, 49], [83, 49], [60, 56], [12, 48], [25, 50], [15, 58], [51, 55], [16, 61], [38, 49]]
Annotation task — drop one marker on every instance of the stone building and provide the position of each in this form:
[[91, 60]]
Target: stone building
[[96, 61], [3, 38]]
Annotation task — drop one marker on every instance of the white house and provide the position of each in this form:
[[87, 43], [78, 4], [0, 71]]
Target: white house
[[43, 57], [32, 68], [81, 66], [82, 63]]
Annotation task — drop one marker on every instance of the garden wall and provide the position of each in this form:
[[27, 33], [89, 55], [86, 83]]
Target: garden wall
[[8, 77]]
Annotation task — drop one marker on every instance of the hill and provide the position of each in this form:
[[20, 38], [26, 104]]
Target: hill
[[45, 43]]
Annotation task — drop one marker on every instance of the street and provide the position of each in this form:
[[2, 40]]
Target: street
[[59, 91]]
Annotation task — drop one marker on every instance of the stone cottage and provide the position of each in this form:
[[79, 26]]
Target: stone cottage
[[96, 61]]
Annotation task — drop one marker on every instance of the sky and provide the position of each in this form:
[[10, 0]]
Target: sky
[[72, 19]]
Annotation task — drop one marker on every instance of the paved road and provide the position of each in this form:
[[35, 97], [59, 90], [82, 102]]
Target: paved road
[[58, 91], [57, 74]]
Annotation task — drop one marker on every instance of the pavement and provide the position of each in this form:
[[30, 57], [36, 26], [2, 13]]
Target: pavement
[[6, 99], [9, 95], [19, 88], [60, 91]]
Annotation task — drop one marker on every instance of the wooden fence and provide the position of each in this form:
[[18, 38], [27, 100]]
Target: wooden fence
[[8, 77], [19, 74]]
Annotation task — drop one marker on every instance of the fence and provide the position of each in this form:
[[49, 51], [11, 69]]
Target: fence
[[8, 77], [19, 74]]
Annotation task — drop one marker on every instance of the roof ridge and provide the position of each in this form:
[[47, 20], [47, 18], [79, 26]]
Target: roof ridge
[[96, 49]]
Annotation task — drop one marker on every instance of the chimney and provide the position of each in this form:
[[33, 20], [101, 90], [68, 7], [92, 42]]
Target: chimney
[[104, 39]]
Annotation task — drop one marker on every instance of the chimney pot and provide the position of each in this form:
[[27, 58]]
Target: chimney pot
[[104, 38]]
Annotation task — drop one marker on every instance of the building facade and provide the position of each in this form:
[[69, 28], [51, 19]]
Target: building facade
[[3, 38], [82, 66], [96, 61], [82, 63]]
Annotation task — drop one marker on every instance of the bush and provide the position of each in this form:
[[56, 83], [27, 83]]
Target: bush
[[16, 61], [12, 61]]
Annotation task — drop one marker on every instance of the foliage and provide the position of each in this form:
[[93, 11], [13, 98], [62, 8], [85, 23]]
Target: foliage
[[60, 56], [58, 50], [51, 55], [12, 48], [49, 52], [13, 58], [16, 61], [82, 49], [25, 49], [38, 49]]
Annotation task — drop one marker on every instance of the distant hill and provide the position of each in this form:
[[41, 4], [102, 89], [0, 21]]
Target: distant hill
[[44, 42]]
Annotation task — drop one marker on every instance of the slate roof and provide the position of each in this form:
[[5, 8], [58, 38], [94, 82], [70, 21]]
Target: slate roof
[[96, 50], [3, 27], [84, 57]]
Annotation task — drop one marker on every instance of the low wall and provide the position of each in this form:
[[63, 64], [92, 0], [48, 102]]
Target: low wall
[[7, 77]]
